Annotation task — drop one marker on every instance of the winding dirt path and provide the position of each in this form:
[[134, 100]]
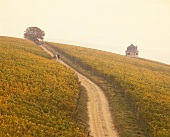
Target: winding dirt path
[[100, 121]]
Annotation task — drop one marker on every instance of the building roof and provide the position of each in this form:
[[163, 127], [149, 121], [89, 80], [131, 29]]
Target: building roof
[[132, 48]]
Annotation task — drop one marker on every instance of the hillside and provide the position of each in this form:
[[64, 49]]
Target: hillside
[[144, 84], [38, 96]]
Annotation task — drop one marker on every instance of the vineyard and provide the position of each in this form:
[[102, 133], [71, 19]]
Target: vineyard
[[145, 84], [38, 96]]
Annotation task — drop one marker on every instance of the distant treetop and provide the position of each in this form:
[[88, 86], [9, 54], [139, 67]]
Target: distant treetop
[[35, 34]]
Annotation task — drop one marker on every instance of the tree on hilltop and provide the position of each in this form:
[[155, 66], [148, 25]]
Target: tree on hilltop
[[34, 34]]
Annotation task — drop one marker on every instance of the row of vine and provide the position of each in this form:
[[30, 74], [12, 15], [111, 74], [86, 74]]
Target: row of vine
[[38, 96], [144, 83]]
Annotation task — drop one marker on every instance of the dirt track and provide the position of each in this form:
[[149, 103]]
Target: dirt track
[[98, 109]]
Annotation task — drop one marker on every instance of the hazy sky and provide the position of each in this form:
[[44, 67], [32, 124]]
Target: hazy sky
[[110, 25]]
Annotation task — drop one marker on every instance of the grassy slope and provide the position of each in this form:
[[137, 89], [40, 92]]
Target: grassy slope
[[146, 83], [38, 96]]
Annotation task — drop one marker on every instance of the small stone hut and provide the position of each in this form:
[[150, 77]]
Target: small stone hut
[[132, 51]]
